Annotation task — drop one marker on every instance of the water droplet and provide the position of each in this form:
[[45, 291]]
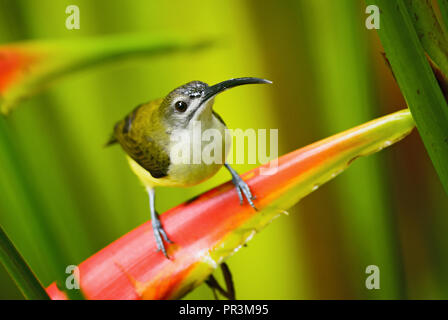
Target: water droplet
[[251, 235]]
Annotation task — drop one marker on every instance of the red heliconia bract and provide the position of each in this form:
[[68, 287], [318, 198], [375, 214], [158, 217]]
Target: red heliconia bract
[[213, 226]]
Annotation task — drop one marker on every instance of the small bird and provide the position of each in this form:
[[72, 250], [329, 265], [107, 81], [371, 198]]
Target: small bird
[[146, 135]]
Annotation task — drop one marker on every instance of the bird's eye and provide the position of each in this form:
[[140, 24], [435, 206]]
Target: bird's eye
[[181, 106]]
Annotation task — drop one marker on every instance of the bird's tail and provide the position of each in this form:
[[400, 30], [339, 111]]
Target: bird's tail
[[112, 140]]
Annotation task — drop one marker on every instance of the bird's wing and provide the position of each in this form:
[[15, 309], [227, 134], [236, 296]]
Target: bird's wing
[[145, 151], [124, 126], [150, 155]]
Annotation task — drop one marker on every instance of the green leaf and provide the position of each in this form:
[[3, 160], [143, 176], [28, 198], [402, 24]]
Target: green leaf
[[24, 201], [429, 31], [16, 266], [416, 80], [27, 68], [443, 5]]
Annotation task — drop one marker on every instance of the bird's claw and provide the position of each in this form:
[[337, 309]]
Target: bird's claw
[[243, 190], [160, 236]]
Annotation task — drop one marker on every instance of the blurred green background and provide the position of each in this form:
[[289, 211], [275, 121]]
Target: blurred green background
[[63, 196]]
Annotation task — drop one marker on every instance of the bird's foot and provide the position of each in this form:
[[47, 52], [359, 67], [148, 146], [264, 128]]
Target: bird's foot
[[160, 235], [243, 190]]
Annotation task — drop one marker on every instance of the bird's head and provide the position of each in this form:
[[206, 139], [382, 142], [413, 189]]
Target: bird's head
[[194, 101]]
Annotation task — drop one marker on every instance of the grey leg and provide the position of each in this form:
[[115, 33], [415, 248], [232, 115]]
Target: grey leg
[[157, 228], [241, 187]]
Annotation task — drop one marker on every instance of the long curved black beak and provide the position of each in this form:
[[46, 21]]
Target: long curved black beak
[[212, 91]]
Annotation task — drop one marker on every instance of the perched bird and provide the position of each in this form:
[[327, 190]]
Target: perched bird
[[146, 135]]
